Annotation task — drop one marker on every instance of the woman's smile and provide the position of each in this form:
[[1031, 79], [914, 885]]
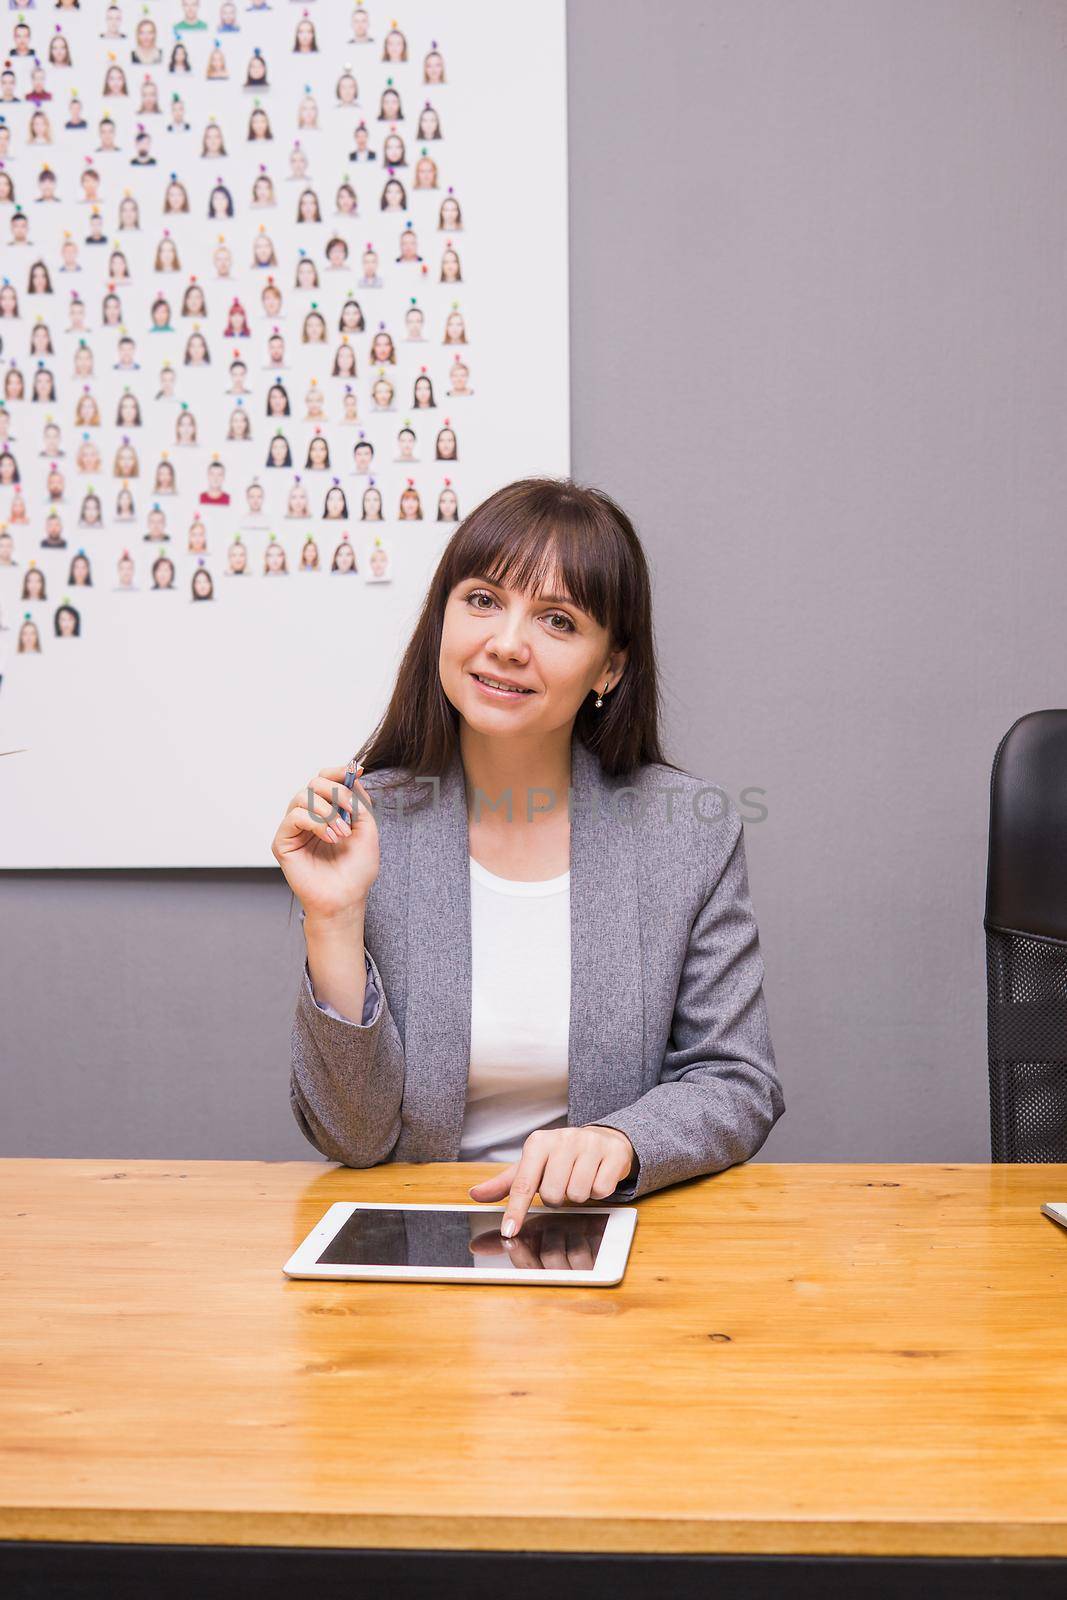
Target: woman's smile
[[498, 689]]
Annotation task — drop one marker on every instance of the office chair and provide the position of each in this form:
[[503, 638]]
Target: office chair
[[1026, 941]]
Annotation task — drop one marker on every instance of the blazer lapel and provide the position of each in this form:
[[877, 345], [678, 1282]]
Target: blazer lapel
[[437, 1037], [606, 1050], [606, 1056]]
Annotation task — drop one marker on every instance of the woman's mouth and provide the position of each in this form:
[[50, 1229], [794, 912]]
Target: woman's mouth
[[498, 690]]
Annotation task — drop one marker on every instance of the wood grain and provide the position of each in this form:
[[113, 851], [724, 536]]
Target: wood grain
[[862, 1359]]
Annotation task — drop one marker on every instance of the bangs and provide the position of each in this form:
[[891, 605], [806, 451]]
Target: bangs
[[545, 541]]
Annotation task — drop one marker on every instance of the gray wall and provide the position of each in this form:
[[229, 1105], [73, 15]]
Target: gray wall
[[818, 332]]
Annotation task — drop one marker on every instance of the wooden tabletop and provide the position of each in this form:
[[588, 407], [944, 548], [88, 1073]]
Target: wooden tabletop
[[807, 1359]]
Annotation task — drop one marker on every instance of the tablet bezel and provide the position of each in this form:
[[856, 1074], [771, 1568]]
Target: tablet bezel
[[610, 1264]]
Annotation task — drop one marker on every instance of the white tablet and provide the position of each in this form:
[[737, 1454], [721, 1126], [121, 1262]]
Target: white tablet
[[463, 1244]]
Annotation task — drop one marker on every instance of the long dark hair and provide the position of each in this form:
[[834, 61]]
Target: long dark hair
[[523, 534]]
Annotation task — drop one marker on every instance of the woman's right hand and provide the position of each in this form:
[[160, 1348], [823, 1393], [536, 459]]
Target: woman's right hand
[[329, 865]]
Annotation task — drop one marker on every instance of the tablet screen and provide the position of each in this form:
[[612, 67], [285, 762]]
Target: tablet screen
[[400, 1237]]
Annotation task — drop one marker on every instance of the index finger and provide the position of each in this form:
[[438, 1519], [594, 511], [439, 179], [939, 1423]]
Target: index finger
[[524, 1186]]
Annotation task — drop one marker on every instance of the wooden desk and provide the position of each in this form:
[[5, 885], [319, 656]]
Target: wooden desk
[[801, 1362]]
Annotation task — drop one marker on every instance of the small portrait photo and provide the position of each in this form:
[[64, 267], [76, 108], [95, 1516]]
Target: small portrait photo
[[344, 557], [378, 564]]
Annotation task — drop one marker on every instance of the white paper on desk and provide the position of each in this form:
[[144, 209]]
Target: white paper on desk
[[1057, 1210]]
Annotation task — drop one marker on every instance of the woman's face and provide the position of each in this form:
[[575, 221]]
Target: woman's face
[[278, 451], [435, 67], [276, 402], [394, 195], [555, 650], [449, 213], [186, 428], [316, 329], [128, 411], [409, 506], [450, 267], [66, 620], [446, 445], [382, 394], [424, 173], [263, 249], [125, 462], [79, 570], [449, 506], [391, 105], [202, 584], [372, 505], [212, 138], [382, 348], [168, 252], [335, 504], [346, 558], [164, 574], [275, 557], [175, 197], [258, 124], [305, 35], [305, 274], [394, 150], [35, 584], [28, 636], [308, 206], [422, 391], [454, 326], [318, 454]]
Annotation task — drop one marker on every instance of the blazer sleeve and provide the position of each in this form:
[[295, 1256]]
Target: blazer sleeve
[[718, 1094], [347, 1079]]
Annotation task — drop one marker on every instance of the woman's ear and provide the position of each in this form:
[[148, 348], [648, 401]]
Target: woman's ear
[[617, 662]]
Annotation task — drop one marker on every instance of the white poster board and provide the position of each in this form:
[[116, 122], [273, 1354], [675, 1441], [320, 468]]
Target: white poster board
[[171, 731]]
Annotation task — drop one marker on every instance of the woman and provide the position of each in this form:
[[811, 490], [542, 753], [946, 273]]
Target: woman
[[637, 1054]]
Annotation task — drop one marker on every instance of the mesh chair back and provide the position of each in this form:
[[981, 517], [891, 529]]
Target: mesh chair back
[[1026, 941]]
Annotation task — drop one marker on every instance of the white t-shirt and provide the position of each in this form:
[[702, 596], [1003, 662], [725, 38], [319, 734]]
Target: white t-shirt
[[520, 1012]]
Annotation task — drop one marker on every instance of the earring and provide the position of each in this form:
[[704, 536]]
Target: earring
[[600, 697]]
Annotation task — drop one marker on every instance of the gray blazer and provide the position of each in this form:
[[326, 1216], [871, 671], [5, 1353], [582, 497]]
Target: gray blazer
[[669, 1039]]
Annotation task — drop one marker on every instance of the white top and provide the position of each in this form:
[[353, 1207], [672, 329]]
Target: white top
[[520, 1012]]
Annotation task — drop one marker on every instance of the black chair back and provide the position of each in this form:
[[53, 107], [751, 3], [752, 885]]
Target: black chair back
[[1026, 941]]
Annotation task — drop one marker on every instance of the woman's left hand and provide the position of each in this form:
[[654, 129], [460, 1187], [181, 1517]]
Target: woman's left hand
[[562, 1164]]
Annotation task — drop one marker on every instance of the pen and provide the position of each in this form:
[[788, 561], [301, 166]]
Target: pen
[[351, 773]]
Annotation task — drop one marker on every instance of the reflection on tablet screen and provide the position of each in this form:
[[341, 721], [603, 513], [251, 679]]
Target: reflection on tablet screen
[[404, 1238]]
